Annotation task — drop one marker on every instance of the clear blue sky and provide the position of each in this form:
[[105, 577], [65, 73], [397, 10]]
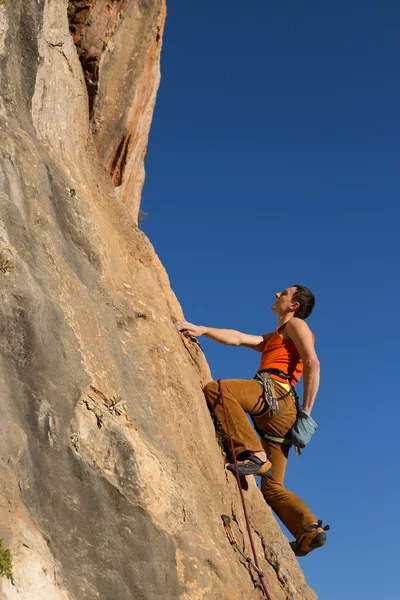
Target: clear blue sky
[[274, 160]]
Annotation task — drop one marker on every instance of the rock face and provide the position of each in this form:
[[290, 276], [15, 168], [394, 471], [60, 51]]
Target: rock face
[[119, 43], [105, 434]]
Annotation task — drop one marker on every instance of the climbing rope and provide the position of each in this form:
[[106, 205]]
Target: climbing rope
[[232, 449]]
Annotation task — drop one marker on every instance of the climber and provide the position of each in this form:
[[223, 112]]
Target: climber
[[272, 403]]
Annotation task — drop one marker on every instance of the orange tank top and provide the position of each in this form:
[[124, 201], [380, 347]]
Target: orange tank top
[[283, 355]]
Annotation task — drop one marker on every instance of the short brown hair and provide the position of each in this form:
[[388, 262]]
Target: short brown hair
[[306, 300]]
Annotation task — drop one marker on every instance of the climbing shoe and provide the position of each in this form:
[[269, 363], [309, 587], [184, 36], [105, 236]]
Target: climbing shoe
[[310, 540], [252, 466]]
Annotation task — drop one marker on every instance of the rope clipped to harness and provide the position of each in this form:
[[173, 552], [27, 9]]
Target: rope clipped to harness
[[232, 449]]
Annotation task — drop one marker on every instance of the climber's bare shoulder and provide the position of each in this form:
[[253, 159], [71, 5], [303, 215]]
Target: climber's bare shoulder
[[300, 333], [298, 328]]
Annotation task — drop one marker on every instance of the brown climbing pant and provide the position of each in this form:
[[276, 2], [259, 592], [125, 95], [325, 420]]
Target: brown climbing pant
[[246, 396]]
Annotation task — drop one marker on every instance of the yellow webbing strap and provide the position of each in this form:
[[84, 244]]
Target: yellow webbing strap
[[278, 440], [285, 385]]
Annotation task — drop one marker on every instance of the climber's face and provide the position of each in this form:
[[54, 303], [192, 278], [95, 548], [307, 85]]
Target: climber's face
[[284, 301]]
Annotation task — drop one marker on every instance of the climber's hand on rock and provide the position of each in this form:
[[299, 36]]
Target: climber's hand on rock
[[189, 329]]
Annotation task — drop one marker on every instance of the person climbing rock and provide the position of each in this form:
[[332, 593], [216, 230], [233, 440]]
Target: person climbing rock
[[271, 400]]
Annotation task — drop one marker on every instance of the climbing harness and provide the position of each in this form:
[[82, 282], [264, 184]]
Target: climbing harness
[[232, 449], [232, 539], [272, 401]]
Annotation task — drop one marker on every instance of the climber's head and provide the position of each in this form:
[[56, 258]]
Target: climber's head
[[297, 299]]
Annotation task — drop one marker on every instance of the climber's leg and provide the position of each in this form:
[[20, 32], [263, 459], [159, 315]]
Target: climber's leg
[[240, 396], [291, 510]]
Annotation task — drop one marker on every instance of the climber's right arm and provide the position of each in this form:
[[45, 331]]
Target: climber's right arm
[[230, 337]]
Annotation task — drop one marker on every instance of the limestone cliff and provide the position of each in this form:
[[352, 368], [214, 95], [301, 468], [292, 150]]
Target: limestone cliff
[[104, 492]]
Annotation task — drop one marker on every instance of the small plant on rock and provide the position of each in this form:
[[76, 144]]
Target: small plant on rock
[[5, 559], [141, 217], [5, 264]]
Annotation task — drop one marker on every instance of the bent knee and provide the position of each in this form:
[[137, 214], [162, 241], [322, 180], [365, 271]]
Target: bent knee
[[210, 388], [211, 393]]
